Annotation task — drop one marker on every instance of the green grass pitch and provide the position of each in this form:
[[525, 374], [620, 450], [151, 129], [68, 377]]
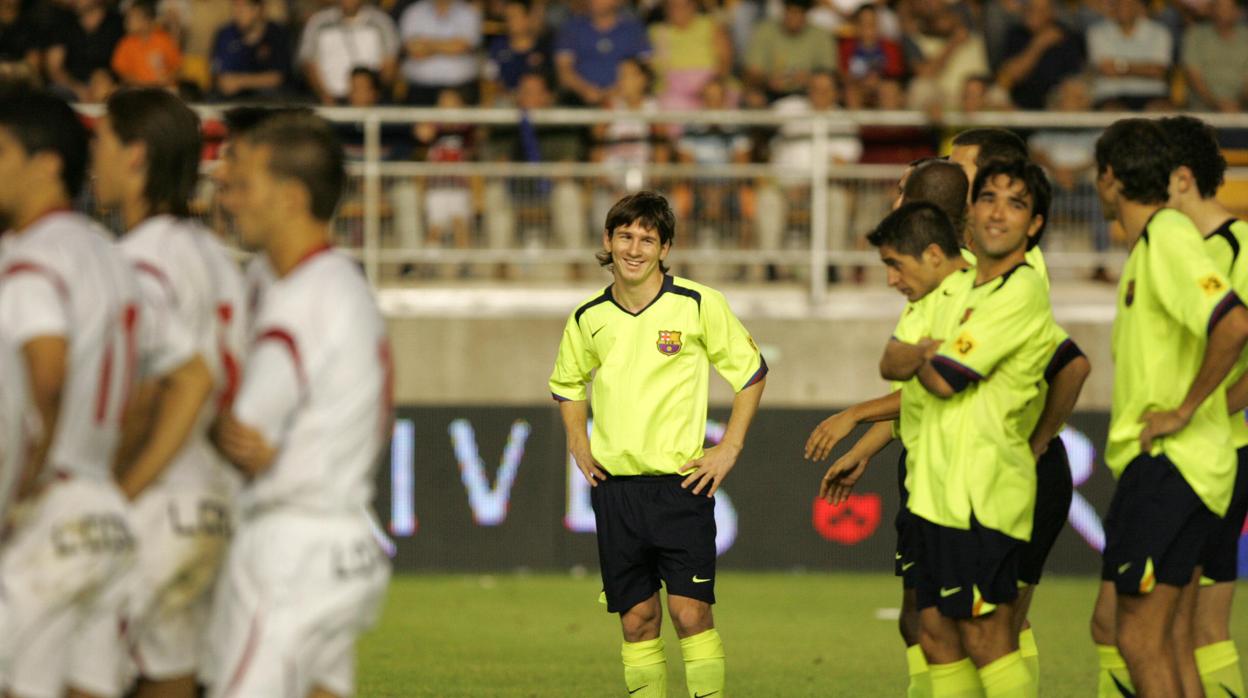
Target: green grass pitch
[[785, 635]]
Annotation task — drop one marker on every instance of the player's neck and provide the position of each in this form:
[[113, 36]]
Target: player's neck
[[37, 207], [989, 268], [1207, 214], [1133, 216], [134, 210], [296, 244], [635, 297]]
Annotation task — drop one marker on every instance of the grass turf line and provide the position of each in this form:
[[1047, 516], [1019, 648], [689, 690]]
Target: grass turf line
[[786, 635]]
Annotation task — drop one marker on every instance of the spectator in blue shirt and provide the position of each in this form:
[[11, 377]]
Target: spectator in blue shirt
[[523, 49], [589, 49], [250, 56]]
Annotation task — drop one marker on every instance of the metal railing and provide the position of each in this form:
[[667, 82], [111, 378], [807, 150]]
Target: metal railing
[[544, 219]]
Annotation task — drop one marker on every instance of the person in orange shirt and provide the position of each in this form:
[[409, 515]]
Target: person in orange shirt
[[147, 55]]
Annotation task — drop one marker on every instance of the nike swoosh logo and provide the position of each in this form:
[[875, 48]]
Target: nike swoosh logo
[[907, 566], [1124, 567], [1122, 690], [898, 556], [637, 689], [704, 695], [701, 581], [1229, 692], [591, 336], [948, 292], [946, 593]]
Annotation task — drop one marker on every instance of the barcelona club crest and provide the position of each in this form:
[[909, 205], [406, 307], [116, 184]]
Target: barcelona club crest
[[669, 342]]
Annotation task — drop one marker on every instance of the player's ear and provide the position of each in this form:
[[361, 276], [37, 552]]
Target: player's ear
[[1037, 224], [606, 240]]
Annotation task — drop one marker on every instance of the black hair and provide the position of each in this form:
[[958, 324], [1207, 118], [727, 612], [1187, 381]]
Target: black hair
[[241, 120], [43, 122], [1141, 156], [942, 183], [915, 226], [649, 210], [147, 7], [169, 132], [1196, 146], [1035, 182], [804, 4], [303, 147], [374, 77], [994, 144]]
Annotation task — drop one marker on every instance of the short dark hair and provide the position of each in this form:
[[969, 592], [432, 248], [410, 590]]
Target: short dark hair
[[374, 77], [1141, 156], [994, 144], [650, 210], [942, 183], [241, 120], [804, 4], [1035, 182], [1196, 146], [169, 132], [303, 147], [147, 7], [915, 226], [43, 122]]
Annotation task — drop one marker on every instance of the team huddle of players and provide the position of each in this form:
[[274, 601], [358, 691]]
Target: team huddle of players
[[186, 451], [984, 379]]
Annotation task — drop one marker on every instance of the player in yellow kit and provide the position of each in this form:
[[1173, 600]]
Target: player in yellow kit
[[646, 343]]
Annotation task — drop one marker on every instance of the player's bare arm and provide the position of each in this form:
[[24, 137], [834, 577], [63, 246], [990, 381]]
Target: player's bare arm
[[901, 361], [1237, 396], [179, 397], [46, 364], [843, 474], [1059, 403], [575, 415], [935, 383], [242, 445], [718, 460], [1225, 343], [830, 431]]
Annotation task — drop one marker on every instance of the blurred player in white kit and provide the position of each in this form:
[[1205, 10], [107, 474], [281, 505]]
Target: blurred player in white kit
[[70, 305], [304, 575], [146, 165]]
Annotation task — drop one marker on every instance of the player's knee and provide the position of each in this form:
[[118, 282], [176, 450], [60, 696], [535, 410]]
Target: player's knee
[[908, 626], [641, 622], [1102, 625], [1137, 642], [691, 618]]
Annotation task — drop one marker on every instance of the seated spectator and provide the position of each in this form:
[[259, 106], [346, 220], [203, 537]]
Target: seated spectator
[[147, 55], [943, 52], [337, 40], [81, 42], [18, 43], [980, 94], [1039, 53], [440, 39], [448, 199], [1131, 55], [625, 140], [103, 83], [690, 49], [716, 202], [1215, 59], [525, 48], [784, 53], [397, 140], [250, 57], [589, 49], [793, 149], [867, 59]]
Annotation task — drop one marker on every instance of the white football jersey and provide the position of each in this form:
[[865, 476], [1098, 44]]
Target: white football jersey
[[317, 385], [64, 277], [14, 440], [191, 286]]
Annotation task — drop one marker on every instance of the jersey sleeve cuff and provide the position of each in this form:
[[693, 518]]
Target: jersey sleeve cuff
[[955, 374], [1066, 352], [1228, 303], [759, 374]]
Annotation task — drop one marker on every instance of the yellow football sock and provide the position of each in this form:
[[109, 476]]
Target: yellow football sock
[[1113, 679], [1008, 677], [1031, 653], [920, 677], [956, 680], [645, 668], [1219, 670], [704, 664]]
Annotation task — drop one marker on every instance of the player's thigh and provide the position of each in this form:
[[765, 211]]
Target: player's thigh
[[1220, 558], [1054, 491], [1144, 620], [683, 534], [626, 556]]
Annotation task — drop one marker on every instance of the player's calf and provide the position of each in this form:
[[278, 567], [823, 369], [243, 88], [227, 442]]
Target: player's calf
[[1143, 632]]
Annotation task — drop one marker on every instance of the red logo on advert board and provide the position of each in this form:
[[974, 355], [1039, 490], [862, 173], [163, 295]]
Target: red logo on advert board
[[849, 523]]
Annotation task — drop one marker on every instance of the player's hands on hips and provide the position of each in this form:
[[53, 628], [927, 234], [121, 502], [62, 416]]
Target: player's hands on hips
[[828, 434], [1039, 447], [710, 469], [842, 475], [590, 468], [1159, 424], [243, 446]]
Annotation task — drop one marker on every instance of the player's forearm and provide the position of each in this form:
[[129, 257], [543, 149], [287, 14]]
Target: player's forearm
[[1237, 396], [1225, 344], [874, 440], [47, 362], [933, 382], [901, 361], [744, 407], [575, 414], [1064, 392], [182, 395], [880, 409]]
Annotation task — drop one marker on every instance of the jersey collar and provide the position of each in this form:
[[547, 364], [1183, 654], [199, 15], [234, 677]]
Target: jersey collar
[[310, 255], [668, 284]]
